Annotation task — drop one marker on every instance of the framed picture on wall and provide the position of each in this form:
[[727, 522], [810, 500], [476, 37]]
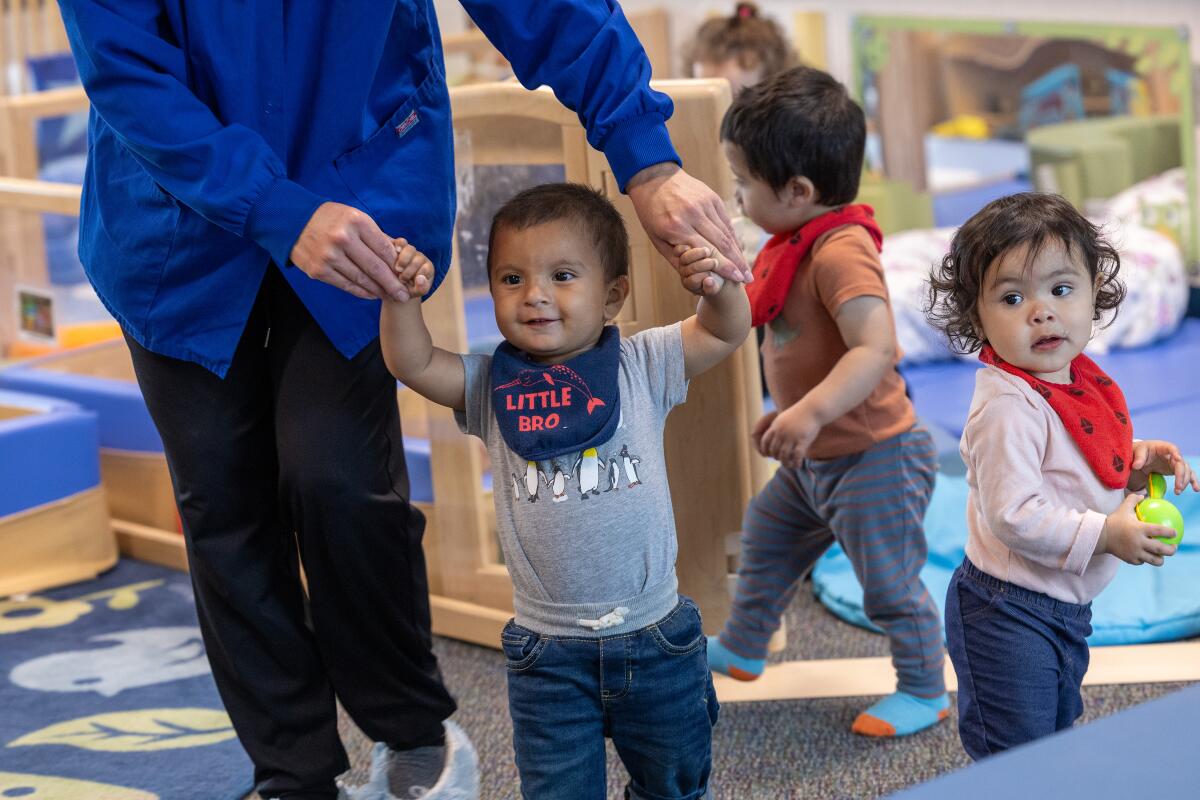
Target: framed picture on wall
[[35, 315]]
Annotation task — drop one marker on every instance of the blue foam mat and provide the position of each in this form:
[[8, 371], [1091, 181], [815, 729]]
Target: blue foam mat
[[1142, 604], [124, 422], [1174, 423], [46, 456], [1088, 761]]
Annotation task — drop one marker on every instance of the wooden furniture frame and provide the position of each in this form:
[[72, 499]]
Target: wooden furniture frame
[[24, 198], [28, 28], [137, 484], [652, 26], [56, 543]]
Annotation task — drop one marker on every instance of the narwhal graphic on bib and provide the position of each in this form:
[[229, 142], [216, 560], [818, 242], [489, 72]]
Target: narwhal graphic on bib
[[544, 411]]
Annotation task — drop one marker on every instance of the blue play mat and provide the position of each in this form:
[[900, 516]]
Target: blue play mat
[[46, 455], [1142, 604], [118, 405]]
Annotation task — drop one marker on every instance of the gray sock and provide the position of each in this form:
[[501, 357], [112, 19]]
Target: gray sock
[[412, 773]]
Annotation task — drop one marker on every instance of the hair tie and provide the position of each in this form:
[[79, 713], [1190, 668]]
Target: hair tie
[[745, 10]]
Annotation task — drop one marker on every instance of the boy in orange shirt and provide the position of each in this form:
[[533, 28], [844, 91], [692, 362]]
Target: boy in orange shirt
[[856, 468]]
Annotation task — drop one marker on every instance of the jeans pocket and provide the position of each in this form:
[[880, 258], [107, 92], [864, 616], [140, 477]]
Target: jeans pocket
[[522, 647], [680, 633], [975, 599]]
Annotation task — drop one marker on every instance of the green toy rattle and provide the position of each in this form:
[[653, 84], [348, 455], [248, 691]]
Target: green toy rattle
[[1157, 511]]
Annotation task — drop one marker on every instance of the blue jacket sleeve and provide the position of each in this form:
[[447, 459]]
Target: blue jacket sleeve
[[586, 51], [136, 81]]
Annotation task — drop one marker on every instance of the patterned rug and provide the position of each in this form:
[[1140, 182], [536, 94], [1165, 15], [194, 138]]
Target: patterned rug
[[107, 695]]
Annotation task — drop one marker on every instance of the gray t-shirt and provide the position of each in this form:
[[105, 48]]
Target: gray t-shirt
[[589, 538]]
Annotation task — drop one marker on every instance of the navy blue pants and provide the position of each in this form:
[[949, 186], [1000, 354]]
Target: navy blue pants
[[650, 691], [1020, 657]]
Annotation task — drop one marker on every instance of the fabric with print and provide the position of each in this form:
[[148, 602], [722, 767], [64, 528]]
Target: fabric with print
[[1092, 409], [776, 265], [548, 410]]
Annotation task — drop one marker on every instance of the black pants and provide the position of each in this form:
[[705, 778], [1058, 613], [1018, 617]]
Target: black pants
[[299, 446]]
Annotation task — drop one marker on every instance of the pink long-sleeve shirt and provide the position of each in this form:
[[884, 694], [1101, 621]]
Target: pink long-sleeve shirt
[[1035, 508]]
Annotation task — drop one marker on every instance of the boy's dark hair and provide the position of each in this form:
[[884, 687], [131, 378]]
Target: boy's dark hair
[[801, 123], [1032, 219], [581, 204], [751, 40]]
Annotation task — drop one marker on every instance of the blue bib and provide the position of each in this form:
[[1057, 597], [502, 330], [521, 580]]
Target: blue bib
[[546, 411]]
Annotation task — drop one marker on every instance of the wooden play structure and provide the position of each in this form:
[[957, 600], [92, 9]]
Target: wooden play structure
[[712, 475], [54, 526], [28, 28], [133, 468], [24, 198]]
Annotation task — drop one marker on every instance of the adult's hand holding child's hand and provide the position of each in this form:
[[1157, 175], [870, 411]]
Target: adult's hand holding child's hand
[[344, 247], [697, 270], [414, 270], [674, 207]]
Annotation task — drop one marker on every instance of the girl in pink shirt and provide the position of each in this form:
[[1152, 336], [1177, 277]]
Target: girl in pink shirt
[[1053, 470]]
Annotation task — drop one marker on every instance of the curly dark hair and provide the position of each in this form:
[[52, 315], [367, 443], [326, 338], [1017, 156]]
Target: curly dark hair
[[1030, 219]]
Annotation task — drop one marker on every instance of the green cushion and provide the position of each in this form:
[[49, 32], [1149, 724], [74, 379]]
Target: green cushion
[[1096, 158], [898, 207]]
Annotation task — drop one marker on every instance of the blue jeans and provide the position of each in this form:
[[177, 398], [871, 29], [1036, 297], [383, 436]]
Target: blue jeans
[[650, 691], [1020, 657]]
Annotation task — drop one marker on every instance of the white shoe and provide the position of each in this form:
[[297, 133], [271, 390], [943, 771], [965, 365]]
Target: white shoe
[[459, 779], [348, 792]]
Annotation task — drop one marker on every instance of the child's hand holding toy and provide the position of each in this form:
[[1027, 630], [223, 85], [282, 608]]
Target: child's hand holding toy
[[1151, 460]]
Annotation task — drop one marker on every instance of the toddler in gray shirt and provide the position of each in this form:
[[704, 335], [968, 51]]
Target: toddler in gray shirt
[[572, 415]]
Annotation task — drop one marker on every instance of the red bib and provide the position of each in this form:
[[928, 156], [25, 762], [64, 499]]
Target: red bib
[[1093, 411], [776, 265]]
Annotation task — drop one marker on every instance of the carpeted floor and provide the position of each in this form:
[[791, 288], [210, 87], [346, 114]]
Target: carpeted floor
[[762, 751]]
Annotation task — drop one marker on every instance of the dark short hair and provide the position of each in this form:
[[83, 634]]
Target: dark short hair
[[752, 40], [800, 123], [581, 204], [1030, 219]]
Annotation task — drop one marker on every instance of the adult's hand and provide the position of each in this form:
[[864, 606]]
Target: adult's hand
[[344, 247], [676, 209]]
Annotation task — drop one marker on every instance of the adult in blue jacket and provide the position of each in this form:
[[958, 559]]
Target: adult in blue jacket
[[249, 163]]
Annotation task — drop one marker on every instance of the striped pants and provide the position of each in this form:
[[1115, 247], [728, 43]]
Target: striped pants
[[872, 504]]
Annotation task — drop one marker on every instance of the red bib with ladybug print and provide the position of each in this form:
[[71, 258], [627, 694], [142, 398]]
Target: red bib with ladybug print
[[777, 263], [1093, 411]]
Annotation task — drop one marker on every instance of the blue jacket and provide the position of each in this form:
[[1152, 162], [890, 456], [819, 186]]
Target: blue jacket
[[219, 126]]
